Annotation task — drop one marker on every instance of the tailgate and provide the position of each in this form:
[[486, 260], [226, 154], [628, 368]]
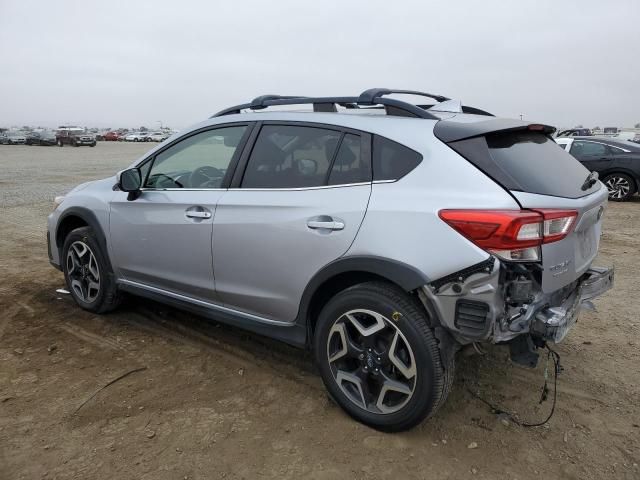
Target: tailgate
[[526, 161], [568, 259]]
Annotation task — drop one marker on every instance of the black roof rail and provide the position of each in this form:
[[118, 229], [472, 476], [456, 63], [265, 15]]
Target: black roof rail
[[373, 96]]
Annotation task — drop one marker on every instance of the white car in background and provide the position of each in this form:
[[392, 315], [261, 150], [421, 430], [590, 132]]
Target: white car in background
[[136, 137], [156, 137]]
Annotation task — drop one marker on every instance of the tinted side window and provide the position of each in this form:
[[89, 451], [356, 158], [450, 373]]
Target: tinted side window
[[198, 161], [349, 166], [392, 160], [286, 156], [588, 148]]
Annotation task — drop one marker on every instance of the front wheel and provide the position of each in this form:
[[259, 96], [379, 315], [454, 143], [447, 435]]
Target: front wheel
[[621, 186], [87, 272], [379, 358]]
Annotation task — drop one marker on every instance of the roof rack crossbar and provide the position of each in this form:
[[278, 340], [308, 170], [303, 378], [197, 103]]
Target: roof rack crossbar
[[370, 96], [328, 104]]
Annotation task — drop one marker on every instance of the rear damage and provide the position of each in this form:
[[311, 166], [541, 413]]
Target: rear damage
[[539, 273]]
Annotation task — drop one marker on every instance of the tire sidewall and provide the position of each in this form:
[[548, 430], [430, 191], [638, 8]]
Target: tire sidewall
[[86, 235], [424, 395]]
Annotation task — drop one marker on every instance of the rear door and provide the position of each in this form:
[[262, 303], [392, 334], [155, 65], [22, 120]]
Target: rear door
[[593, 155], [298, 202], [542, 176]]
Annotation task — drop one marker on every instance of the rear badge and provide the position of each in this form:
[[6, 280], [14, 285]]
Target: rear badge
[[560, 268]]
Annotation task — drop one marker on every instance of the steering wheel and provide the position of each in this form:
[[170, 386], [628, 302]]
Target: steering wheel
[[206, 177]]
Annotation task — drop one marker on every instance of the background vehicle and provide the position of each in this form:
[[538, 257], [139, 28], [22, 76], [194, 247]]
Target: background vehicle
[[12, 138], [616, 161], [75, 138], [136, 137], [574, 132], [354, 235], [156, 137], [44, 137], [111, 137]]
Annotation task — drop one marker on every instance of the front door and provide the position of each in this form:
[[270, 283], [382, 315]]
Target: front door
[[163, 238], [302, 199]]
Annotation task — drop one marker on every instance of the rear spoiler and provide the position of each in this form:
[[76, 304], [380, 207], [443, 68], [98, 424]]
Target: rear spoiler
[[452, 130]]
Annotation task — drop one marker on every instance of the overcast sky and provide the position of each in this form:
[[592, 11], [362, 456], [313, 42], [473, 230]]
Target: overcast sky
[[135, 63]]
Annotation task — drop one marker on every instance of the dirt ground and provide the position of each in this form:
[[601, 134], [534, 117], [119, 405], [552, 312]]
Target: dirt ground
[[215, 402]]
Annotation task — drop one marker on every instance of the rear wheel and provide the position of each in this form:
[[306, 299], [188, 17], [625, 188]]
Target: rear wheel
[[87, 272], [378, 357], [621, 186]]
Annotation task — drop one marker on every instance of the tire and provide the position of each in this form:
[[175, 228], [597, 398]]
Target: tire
[[92, 145], [363, 363], [74, 144], [88, 273], [620, 185], [135, 140]]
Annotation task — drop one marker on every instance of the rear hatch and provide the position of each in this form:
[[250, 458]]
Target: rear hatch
[[525, 161]]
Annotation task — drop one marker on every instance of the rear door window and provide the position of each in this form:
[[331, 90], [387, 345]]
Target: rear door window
[[588, 149], [350, 165], [288, 156]]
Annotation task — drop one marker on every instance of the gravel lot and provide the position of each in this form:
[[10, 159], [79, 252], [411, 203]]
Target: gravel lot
[[215, 402]]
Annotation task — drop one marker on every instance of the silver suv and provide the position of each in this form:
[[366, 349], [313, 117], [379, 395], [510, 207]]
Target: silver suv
[[381, 234]]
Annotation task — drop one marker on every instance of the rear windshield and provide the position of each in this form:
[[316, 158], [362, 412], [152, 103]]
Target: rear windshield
[[528, 162]]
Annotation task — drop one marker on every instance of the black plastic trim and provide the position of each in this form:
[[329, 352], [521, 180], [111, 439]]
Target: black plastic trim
[[403, 275], [90, 219], [293, 334]]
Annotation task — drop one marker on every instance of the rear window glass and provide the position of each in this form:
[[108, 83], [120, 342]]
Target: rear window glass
[[528, 162], [392, 160]]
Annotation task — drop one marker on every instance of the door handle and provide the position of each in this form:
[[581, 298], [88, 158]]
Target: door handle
[[325, 223], [198, 212]]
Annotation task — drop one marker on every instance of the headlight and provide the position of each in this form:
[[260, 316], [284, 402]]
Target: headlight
[[57, 201]]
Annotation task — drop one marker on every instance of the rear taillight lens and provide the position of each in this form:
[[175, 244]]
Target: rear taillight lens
[[514, 235]]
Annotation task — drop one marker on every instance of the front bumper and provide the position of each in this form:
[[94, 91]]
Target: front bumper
[[553, 323]]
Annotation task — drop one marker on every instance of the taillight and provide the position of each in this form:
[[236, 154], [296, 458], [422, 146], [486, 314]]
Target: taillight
[[514, 235]]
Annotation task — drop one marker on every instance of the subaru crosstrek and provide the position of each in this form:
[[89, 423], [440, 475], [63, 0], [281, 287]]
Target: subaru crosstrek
[[381, 234]]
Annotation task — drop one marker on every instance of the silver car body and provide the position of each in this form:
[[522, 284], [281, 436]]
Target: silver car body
[[253, 261]]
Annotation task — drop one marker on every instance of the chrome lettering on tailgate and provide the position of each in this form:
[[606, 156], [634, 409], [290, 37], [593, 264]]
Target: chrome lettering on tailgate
[[560, 268]]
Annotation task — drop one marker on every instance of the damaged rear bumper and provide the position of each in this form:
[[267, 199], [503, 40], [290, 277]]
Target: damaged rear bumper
[[553, 323], [478, 305]]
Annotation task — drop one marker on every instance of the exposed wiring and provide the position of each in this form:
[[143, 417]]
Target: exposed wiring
[[557, 368]]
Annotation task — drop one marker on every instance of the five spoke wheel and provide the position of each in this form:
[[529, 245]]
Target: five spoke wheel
[[83, 271], [371, 361]]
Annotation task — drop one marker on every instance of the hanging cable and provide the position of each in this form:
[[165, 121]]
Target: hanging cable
[[557, 368]]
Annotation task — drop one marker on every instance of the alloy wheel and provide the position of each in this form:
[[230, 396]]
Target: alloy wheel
[[618, 187], [83, 271], [371, 361]]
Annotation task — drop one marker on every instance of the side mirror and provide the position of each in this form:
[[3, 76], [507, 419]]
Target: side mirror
[[130, 180]]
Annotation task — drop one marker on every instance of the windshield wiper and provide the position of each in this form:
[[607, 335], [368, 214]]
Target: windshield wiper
[[591, 180]]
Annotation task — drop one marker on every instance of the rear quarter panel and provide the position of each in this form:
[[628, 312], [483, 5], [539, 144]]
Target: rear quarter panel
[[402, 221]]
